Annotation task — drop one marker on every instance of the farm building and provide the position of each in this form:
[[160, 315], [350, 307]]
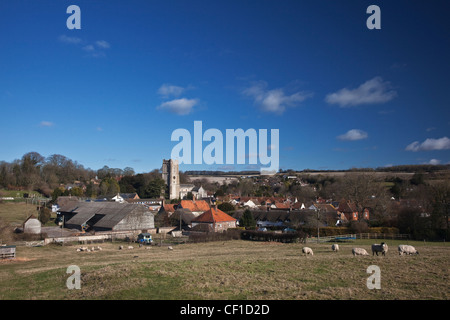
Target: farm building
[[32, 225], [215, 219], [106, 216]]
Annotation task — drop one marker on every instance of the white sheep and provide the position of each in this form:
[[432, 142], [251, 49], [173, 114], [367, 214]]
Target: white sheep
[[335, 247], [307, 250], [383, 248], [359, 252], [130, 247], [406, 249], [169, 248]]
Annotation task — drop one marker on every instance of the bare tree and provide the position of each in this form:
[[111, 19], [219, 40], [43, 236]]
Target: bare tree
[[365, 191]]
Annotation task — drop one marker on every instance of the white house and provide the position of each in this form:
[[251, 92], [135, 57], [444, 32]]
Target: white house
[[250, 204], [118, 198], [197, 192]]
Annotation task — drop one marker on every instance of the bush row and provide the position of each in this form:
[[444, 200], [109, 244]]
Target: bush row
[[271, 236], [335, 231]]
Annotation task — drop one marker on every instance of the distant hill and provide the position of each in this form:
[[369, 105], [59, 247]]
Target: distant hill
[[407, 168]]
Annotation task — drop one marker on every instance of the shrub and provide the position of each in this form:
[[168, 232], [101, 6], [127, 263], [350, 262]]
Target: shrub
[[271, 236]]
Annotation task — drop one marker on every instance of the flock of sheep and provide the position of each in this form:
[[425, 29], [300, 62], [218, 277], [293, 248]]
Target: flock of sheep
[[376, 248], [86, 249]]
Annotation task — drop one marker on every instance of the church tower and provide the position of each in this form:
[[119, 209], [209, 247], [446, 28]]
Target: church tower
[[171, 176]]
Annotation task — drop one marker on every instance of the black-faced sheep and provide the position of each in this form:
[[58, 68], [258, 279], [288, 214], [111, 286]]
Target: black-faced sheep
[[307, 250], [383, 248], [335, 247]]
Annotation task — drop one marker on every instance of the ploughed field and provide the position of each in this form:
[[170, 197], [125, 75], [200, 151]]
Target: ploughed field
[[227, 270]]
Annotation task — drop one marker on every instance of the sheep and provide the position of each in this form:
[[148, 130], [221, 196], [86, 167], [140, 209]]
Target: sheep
[[359, 252], [383, 248], [120, 247], [406, 249], [335, 247], [169, 248], [307, 250], [130, 247]]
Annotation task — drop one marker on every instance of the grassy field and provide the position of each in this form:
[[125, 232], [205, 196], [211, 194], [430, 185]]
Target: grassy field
[[237, 270], [16, 213]]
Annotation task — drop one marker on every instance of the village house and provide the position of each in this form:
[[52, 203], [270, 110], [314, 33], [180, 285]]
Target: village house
[[214, 219], [119, 197], [197, 207], [167, 209], [347, 211], [185, 189], [197, 192]]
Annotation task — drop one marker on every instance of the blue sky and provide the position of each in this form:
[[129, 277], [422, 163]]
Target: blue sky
[[113, 92]]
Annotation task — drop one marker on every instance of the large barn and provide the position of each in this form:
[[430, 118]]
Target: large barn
[[106, 216]]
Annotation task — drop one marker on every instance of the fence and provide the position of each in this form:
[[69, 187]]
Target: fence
[[7, 252], [98, 237], [391, 236], [34, 243], [340, 237], [346, 237]]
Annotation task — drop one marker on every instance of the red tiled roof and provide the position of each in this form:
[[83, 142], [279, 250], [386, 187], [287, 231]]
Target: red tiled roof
[[347, 207], [280, 205], [213, 215], [169, 207], [198, 205]]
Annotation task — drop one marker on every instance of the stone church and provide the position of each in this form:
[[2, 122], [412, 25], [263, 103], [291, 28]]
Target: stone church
[[171, 176], [175, 190]]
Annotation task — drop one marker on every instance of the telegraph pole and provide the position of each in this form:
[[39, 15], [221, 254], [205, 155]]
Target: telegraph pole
[[318, 215]]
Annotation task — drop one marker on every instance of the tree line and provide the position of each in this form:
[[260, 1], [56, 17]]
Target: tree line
[[52, 175]]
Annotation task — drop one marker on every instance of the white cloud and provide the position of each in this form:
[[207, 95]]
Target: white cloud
[[353, 135], [89, 48], [167, 90], [434, 161], [274, 100], [103, 44], [46, 124], [370, 92], [181, 106], [96, 49], [69, 40], [430, 144]]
